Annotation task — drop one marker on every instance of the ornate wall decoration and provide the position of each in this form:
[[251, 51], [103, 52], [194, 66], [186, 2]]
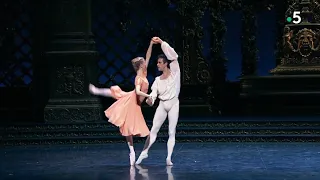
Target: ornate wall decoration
[[218, 61], [300, 42], [305, 41], [191, 12], [187, 32], [70, 80], [103, 132], [72, 115], [248, 39], [203, 72]]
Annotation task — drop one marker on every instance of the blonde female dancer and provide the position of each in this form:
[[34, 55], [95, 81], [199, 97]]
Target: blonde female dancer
[[126, 112]]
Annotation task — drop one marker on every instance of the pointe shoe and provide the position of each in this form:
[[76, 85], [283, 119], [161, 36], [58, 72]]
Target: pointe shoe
[[169, 162], [142, 157], [92, 89], [132, 158]]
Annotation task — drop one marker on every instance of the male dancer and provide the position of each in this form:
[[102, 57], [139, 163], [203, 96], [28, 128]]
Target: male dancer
[[167, 88]]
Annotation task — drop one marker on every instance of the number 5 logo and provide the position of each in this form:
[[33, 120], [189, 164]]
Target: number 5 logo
[[296, 17]]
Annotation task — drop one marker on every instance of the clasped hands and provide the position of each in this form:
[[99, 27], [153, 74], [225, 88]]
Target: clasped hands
[[156, 40], [149, 101]]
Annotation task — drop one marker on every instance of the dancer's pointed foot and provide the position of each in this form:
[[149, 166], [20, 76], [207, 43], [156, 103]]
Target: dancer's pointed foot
[[132, 158], [169, 162], [92, 89], [142, 156]]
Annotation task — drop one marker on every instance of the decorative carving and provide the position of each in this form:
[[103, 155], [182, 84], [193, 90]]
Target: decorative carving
[[203, 73], [191, 13], [305, 41], [70, 80], [186, 64], [209, 97], [309, 10], [303, 62], [195, 131], [248, 39], [296, 70], [315, 8], [72, 114], [301, 42]]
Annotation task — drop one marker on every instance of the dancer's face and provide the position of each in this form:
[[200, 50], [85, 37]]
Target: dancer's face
[[161, 64]]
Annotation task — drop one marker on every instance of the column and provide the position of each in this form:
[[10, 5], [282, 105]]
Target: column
[[71, 58]]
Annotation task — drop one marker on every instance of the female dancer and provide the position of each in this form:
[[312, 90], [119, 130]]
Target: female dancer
[[126, 111]]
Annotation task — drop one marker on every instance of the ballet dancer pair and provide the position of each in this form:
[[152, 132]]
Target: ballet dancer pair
[[126, 111]]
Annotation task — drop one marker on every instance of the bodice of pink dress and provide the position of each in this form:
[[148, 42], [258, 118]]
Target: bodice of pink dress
[[144, 86]]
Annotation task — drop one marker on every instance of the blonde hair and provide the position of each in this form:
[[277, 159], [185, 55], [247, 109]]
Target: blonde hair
[[136, 63]]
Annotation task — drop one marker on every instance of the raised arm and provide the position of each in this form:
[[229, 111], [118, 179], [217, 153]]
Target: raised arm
[[168, 51], [172, 56], [148, 54]]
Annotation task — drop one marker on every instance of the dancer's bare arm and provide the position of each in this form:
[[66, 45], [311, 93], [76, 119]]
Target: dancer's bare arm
[[138, 88], [170, 54], [149, 51]]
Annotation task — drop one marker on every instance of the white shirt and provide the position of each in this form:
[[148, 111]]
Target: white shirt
[[169, 88]]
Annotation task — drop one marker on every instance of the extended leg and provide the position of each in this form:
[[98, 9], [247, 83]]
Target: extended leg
[[99, 91], [132, 153], [158, 119], [173, 117]]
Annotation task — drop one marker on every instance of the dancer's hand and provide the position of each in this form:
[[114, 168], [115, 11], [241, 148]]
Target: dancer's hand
[[149, 101], [157, 40], [152, 42]]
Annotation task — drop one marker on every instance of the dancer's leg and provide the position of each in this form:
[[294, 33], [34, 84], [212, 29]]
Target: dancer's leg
[[132, 153], [99, 91], [173, 116], [158, 119]]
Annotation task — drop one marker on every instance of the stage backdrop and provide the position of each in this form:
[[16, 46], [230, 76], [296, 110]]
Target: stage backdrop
[[226, 32]]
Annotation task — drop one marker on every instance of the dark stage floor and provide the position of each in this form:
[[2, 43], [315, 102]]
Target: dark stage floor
[[195, 161]]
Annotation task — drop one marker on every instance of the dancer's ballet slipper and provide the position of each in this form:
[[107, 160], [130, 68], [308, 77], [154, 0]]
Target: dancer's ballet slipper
[[169, 162], [142, 156], [92, 89], [132, 158]]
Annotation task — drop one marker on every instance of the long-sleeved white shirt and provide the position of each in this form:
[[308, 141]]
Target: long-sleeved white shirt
[[169, 88]]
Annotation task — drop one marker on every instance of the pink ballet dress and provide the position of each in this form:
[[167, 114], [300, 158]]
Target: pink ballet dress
[[126, 112]]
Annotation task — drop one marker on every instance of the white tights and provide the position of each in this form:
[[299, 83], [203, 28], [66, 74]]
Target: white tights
[[166, 108], [106, 92]]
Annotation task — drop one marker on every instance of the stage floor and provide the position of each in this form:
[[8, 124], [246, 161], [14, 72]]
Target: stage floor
[[194, 161]]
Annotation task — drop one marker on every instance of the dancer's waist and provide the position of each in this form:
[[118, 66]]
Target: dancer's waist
[[169, 99]]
